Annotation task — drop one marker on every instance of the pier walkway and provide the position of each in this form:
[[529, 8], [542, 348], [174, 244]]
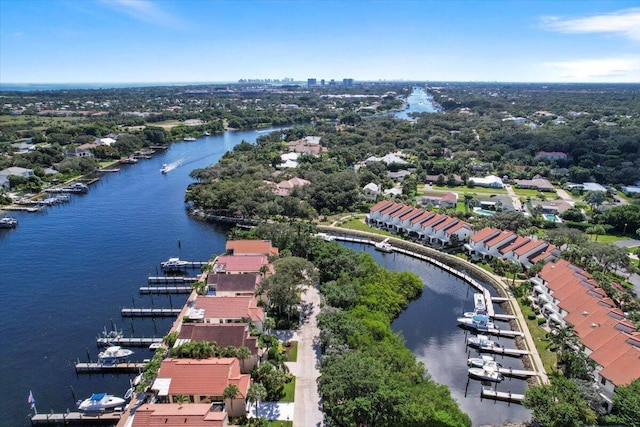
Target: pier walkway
[[165, 289], [501, 395], [170, 279], [150, 312], [128, 341], [83, 368], [76, 419]]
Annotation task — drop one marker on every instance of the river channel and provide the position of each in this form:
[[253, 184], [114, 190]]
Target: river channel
[[65, 275]]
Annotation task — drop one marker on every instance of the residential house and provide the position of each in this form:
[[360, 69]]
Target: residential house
[[539, 184], [285, 188], [497, 203], [489, 181], [214, 309], [15, 171], [231, 264], [371, 191], [251, 247], [23, 147], [477, 240], [375, 211], [404, 221], [392, 158], [398, 176], [395, 222], [202, 381], [83, 150], [233, 285], [440, 200], [173, 414], [224, 335], [105, 141]]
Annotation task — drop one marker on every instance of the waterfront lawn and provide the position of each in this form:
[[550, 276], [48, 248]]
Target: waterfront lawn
[[549, 358], [289, 391], [357, 224]]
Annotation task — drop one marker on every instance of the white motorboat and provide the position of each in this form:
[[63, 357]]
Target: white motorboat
[[483, 343], [173, 264], [384, 246], [479, 362], [189, 138], [100, 402], [477, 322], [479, 302], [8, 222], [490, 371], [129, 161], [114, 354], [475, 313]]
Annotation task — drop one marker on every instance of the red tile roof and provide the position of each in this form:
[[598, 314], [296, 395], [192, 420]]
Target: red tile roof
[[412, 214], [484, 234], [501, 239], [230, 307], [401, 211], [446, 224], [449, 231], [436, 219], [241, 264], [175, 414], [251, 247], [625, 368], [380, 205], [392, 208], [204, 377], [515, 244], [234, 282], [423, 217], [531, 246], [224, 334]]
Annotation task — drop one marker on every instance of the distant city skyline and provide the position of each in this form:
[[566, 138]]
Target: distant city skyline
[[201, 41]]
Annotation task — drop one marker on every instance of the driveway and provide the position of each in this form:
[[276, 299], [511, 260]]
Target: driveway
[[307, 408]]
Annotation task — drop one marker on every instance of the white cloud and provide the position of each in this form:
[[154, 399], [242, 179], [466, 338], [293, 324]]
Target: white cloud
[[624, 22], [144, 10], [621, 69]]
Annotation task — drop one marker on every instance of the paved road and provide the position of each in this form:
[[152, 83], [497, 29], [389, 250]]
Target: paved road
[[307, 410]]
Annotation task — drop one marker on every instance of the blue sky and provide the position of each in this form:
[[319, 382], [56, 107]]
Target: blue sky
[[125, 41]]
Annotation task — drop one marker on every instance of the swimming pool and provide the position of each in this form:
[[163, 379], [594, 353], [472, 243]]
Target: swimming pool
[[484, 212], [551, 217]]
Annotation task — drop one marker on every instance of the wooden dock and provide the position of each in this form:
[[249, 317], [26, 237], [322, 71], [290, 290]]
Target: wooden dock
[[76, 419], [166, 289], [505, 351], [187, 264], [170, 279], [518, 373], [150, 312], [501, 395], [505, 317], [503, 332], [127, 341], [499, 299], [83, 368]]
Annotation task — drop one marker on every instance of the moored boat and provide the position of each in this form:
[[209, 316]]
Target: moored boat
[[479, 302], [384, 246], [173, 264], [129, 161], [189, 138], [479, 362], [488, 372], [476, 322], [114, 354], [483, 342], [100, 402], [8, 222]]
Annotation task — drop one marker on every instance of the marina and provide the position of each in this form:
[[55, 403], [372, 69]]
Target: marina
[[75, 419], [129, 341], [170, 279]]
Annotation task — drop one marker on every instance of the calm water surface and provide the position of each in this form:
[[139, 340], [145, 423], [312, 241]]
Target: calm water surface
[[430, 330]]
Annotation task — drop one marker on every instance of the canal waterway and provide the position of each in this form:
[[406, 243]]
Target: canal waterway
[[430, 330], [419, 101]]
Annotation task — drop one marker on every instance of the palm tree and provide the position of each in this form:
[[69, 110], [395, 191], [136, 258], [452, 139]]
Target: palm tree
[[230, 392], [469, 200], [243, 354], [256, 393], [596, 230], [181, 398], [268, 324]]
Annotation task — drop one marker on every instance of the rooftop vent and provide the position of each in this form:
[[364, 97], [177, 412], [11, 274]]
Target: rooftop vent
[[585, 313]]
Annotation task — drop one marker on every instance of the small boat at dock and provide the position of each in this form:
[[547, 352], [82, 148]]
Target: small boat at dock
[[173, 264], [114, 354], [479, 322], [189, 138], [100, 402], [129, 161], [384, 246], [490, 371], [8, 222], [479, 302], [483, 343]]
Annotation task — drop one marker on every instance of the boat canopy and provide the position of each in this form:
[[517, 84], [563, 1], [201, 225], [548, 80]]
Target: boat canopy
[[98, 396]]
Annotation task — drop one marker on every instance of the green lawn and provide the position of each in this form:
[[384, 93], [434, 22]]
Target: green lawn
[[481, 191], [289, 391], [276, 423], [292, 355], [356, 224], [607, 238], [549, 359]]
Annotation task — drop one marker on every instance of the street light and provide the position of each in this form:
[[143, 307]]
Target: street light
[[625, 228]]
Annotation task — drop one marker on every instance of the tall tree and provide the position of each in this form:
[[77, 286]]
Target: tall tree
[[559, 404], [256, 394], [229, 393]]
